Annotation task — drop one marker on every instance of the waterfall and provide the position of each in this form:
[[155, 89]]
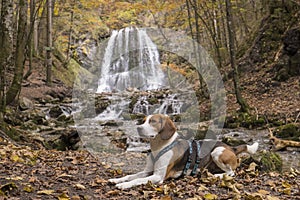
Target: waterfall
[[131, 60]]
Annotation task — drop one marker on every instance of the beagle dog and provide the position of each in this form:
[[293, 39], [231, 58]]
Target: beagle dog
[[173, 156]]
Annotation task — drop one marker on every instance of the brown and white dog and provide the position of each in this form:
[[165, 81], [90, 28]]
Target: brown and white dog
[[172, 156]]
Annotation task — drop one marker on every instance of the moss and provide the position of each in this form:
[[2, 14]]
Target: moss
[[244, 120], [71, 73], [270, 161], [289, 131], [11, 132], [153, 100], [231, 141]]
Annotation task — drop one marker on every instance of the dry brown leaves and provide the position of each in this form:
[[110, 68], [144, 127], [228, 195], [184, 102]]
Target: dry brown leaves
[[44, 174]]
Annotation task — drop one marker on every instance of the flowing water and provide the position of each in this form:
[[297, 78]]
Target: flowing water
[[131, 60]]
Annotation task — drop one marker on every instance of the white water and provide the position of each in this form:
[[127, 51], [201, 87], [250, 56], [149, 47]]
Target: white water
[[131, 60]]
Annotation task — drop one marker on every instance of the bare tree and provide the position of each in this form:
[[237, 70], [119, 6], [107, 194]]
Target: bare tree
[[49, 43], [15, 87], [232, 50], [6, 38]]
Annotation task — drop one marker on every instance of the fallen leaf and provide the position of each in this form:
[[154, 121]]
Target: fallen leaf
[[272, 198], [80, 186], [63, 196], [113, 192], [46, 192], [286, 184], [210, 196], [75, 198], [166, 198], [264, 192], [14, 157], [251, 167], [28, 188], [202, 188]]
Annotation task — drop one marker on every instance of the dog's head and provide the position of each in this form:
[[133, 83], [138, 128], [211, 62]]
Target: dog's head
[[157, 124]]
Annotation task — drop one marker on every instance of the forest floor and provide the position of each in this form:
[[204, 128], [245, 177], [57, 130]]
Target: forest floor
[[47, 174], [30, 173]]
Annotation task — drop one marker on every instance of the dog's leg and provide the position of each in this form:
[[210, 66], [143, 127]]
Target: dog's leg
[[146, 172], [158, 175], [225, 160]]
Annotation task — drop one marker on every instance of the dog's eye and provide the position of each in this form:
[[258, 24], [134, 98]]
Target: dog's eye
[[141, 121], [153, 121]]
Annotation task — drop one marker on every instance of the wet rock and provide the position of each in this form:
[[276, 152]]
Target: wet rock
[[55, 111], [26, 104], [68, 140], [111, 123]]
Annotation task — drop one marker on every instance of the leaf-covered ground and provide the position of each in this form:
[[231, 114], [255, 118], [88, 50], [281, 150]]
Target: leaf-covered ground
[[42, 174]]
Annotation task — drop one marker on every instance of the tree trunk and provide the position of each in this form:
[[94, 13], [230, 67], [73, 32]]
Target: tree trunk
[[6, 35], [231, 33], [49, 43], [30, 43], [15, 87]]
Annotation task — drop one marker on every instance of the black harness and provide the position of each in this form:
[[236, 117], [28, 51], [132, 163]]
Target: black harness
[[192, 158]]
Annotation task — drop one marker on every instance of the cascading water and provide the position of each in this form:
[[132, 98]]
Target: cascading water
[[131, 60]]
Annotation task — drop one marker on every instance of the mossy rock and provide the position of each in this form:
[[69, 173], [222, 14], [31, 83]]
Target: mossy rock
[[243, 120], [270, 161], [231, 141], [289, 131]]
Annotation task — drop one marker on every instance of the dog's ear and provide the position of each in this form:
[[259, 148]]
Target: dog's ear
[[168, 128]]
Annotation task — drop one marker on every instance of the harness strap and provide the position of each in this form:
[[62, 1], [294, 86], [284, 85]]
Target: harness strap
[[197, 158], [189, 161], [162, 152]]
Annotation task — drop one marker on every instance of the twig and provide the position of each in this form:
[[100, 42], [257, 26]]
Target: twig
[[297, 117]]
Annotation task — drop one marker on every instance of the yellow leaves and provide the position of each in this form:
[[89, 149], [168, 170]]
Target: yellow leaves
[[15, 158], [286, 188], [210, 196], [8, 187], [20, 154], [63, 196], [229, 182], [28, 188]]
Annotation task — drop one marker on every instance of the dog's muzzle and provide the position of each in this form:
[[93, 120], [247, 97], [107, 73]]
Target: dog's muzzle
[[143, 132]]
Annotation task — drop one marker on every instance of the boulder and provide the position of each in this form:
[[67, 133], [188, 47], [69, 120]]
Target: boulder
[[25, 104]]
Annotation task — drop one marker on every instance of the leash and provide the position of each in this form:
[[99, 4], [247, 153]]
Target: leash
[[197, 158], [189, 161]]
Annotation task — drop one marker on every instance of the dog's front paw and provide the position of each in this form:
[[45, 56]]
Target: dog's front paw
[[124, 185], [114, 180]]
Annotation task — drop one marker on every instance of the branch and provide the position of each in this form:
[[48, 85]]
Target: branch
[[279, 144]]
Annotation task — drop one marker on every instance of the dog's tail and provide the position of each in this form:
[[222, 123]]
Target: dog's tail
[[246, 148]]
